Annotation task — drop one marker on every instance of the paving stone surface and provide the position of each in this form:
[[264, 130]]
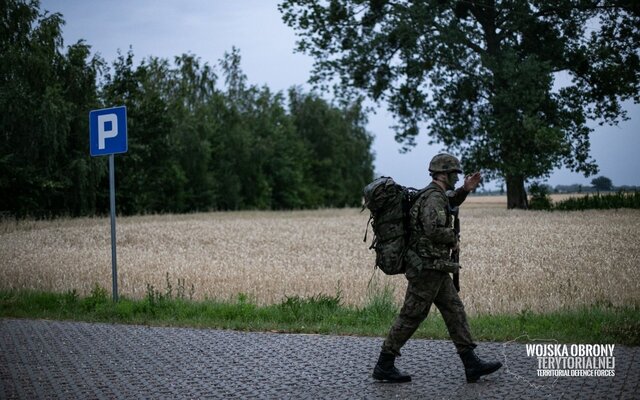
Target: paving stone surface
[[55, 359]]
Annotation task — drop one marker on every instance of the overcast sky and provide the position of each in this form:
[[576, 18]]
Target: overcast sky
[[208, 28]]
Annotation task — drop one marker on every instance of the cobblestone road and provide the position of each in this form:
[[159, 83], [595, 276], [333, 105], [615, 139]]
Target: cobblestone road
[[54, 359]]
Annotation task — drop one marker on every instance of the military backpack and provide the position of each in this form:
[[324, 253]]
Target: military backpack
[[389, 204]]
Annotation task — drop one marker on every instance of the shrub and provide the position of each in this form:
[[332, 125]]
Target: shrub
[[601, 202], [97, 298], [540, 199]]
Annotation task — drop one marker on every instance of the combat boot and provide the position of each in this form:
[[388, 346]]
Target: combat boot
[[385, 370], [474, 367]]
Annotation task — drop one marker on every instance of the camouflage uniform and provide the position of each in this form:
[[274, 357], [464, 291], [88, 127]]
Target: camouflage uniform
[[428, 272]]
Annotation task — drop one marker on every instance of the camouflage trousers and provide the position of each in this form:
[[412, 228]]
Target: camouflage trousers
[[428, 287]]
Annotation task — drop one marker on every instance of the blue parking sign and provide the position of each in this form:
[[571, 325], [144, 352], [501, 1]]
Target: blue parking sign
[[108, 131]]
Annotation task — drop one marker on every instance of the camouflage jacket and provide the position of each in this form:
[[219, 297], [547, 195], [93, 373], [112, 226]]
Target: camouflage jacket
[[432, 235]]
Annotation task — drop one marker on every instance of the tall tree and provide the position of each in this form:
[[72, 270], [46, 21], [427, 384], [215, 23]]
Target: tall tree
[[193, 99], [478, 75], [44, 97], [602, 183], [340, 162], [167, 165]]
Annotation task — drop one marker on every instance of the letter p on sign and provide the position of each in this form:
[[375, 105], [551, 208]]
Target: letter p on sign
[[107, 128], [108, 131]]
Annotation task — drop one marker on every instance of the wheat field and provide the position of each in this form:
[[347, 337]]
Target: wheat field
[[512, 260]]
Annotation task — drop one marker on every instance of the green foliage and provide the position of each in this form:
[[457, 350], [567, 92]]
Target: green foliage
[[335, 140], [602, 183], [599, 323], [381, 305], [69, 298], [45, 96], [540, 199], [97, 298], [156, 301], [600, 202], [309, 310], [479, 78], [194, 145]]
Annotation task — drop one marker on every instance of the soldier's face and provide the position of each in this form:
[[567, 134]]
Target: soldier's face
[[452, 178]]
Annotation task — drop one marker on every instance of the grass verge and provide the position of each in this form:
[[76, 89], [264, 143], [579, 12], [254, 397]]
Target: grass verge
[[319, 314]]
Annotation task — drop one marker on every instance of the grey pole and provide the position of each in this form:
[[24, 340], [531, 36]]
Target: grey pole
[[112, 189]]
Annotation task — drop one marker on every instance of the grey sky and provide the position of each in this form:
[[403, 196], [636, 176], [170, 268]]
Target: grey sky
[[166, 28]]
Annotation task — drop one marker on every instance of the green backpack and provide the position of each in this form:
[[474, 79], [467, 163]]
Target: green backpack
[[389, 204]]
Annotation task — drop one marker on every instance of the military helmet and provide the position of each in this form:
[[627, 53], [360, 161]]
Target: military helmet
[[444, 162]]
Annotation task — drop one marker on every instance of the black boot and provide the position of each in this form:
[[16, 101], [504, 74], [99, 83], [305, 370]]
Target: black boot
[[474, 367], [386, 371]]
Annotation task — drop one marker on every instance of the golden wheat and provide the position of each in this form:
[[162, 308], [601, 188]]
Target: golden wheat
[[512, 260]]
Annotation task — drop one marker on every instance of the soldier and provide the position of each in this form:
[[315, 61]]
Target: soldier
[[428, 267]]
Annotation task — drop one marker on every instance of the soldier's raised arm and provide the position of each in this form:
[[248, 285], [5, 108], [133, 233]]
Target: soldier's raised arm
[[458, 196]]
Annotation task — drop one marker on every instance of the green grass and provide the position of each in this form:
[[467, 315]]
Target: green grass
[[319, 314]]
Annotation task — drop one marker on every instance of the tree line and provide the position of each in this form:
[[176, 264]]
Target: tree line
[[599, 184], [200, 137]]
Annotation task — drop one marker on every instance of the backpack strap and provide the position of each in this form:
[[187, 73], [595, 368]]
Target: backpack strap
[[422, 195], [366, 229]]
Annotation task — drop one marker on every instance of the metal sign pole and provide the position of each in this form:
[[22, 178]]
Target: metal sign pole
[[112, 190], [108, 136]]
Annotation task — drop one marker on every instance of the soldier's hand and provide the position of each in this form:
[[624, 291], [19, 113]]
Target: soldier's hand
[[472, 181]]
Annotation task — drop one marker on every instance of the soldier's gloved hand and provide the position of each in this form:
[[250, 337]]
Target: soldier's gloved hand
[[446, 266], [472, 181], [455, 268]]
